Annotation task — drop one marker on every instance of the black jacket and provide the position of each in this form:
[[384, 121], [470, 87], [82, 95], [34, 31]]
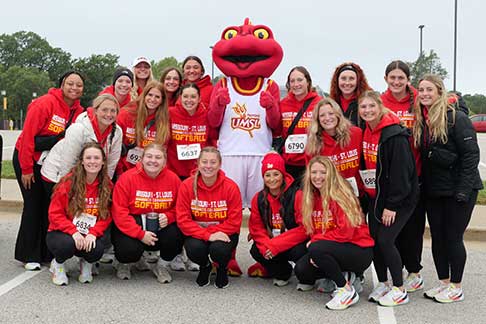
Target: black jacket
[[352, 114], [396, 176], [451, 169]]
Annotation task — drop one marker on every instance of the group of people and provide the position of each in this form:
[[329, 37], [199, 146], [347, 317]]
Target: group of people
[[169, 165]]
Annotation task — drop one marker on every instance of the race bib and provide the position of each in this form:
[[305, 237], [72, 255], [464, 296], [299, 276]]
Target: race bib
[[188, 152], [354, 185], [134, 155], [275, 232], [207, 224], [295, 144], [369, 178], [84, 222]]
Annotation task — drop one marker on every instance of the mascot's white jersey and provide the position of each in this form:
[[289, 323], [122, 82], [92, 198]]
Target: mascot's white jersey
[[244, 129]]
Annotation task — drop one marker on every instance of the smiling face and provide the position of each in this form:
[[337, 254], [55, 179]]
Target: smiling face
[[328, 119], [318, 174], [370, 111], [192, 71], [172, 81], [428, 93], [153, 100], [123, 86], [92, 161], [141, 71], [273, 180], [153, 161], [106, 113], [298, 84], [209, 165], [72, 87], [397, 83], [190, 100], [347, 83]]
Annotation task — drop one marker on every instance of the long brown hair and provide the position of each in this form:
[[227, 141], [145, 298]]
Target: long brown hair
[[335, 188], [77, 193], [361, 82], [161, 115]]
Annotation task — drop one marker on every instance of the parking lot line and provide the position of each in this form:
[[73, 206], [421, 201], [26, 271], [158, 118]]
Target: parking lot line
[[17, 281], [386, 315]]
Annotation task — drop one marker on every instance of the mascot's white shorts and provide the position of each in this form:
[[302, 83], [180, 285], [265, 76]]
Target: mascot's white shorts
[[246, 171]]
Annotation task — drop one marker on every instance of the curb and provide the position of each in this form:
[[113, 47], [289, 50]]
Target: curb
[[11, 205]]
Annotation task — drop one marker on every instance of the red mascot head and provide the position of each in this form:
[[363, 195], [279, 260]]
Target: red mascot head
[[247, 51]]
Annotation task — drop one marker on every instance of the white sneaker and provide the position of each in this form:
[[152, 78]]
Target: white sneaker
[[177, 264], [413, 282], [161, 272], [108, 256], [343, 298], [96, 269], [85, 269], [151, 256], [191, 266], [58, 271], [394, 297], [142, 264], [326, 285], [451, 294], [304, 287], [123, 271], [379, 291], [430, 293], [32, 266], [280, 283]]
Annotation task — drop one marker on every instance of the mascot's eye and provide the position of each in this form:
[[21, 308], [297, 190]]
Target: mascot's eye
[[230, 33], [261, 33]]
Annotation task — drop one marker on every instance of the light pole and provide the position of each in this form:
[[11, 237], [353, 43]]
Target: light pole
[[455, 45], [4, 94], [421, 27], [212, 64]]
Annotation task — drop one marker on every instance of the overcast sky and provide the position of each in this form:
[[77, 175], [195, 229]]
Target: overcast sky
[[317, 34]]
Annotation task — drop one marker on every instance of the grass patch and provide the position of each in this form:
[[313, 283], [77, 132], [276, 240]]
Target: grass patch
[[482, 195], [7, 170]]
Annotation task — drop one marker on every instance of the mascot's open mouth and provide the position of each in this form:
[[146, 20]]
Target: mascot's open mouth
[[244, 61]]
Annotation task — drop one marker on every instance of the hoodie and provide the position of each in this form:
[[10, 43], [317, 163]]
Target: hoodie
[[111, 90], [205, 89]]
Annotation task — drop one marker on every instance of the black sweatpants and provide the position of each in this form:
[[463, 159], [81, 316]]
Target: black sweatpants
[[199, 251], [411, 239], [129, 249], [279, 267], [448, 220], [63, 248], [31, 238], [332, 258], [386, 255]]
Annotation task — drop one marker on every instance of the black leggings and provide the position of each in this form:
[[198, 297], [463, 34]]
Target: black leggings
[[279, 267], [411, 239], [129, 249], [31, 238], [199, 251], [332, 258], [63, 248], [386, 255], [296, 171], [448, 221]]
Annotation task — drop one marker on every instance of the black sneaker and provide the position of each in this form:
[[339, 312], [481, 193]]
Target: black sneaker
[[203, 276], [221, 278]]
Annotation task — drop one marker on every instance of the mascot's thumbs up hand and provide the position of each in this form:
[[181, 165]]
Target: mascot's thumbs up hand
[[222, 97], [267, 101]]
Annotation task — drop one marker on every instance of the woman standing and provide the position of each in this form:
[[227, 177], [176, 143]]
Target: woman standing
[[296, 109], [47, 119], [400, 97], [193, 70], [272, 223], [121, 87], [142, 74], [171, 78], [391, 182], [450, 157], [347, 84], [144, 215], [340, 239], [79, 214], [144, 121], [209, 214]]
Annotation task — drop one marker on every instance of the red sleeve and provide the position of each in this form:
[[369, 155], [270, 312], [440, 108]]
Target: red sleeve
[[257, 229], [171, 212], [120, 211], [58, 218], [216, 112], [100, 227], [184, 214], [232, 224], [343, 232], [274, 117]]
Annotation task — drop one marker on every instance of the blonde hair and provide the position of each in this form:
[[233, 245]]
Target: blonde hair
[[161, 115], [437, 113], [102, 98], [134, 92], [335, 188], [315, 130], [206, 149], [375, 96]]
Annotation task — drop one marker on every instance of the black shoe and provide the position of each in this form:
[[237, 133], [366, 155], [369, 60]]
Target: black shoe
[[203, 276], [221, 278]]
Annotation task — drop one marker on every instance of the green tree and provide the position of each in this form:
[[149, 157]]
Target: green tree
[[158, 67], [98, 71], [426, 64], [27, 49], [476, 103]]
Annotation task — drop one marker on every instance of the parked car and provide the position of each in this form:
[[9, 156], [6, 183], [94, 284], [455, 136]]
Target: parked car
[[479, 122]]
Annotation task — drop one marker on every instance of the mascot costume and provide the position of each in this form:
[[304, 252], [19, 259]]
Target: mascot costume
[[244, 106]]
